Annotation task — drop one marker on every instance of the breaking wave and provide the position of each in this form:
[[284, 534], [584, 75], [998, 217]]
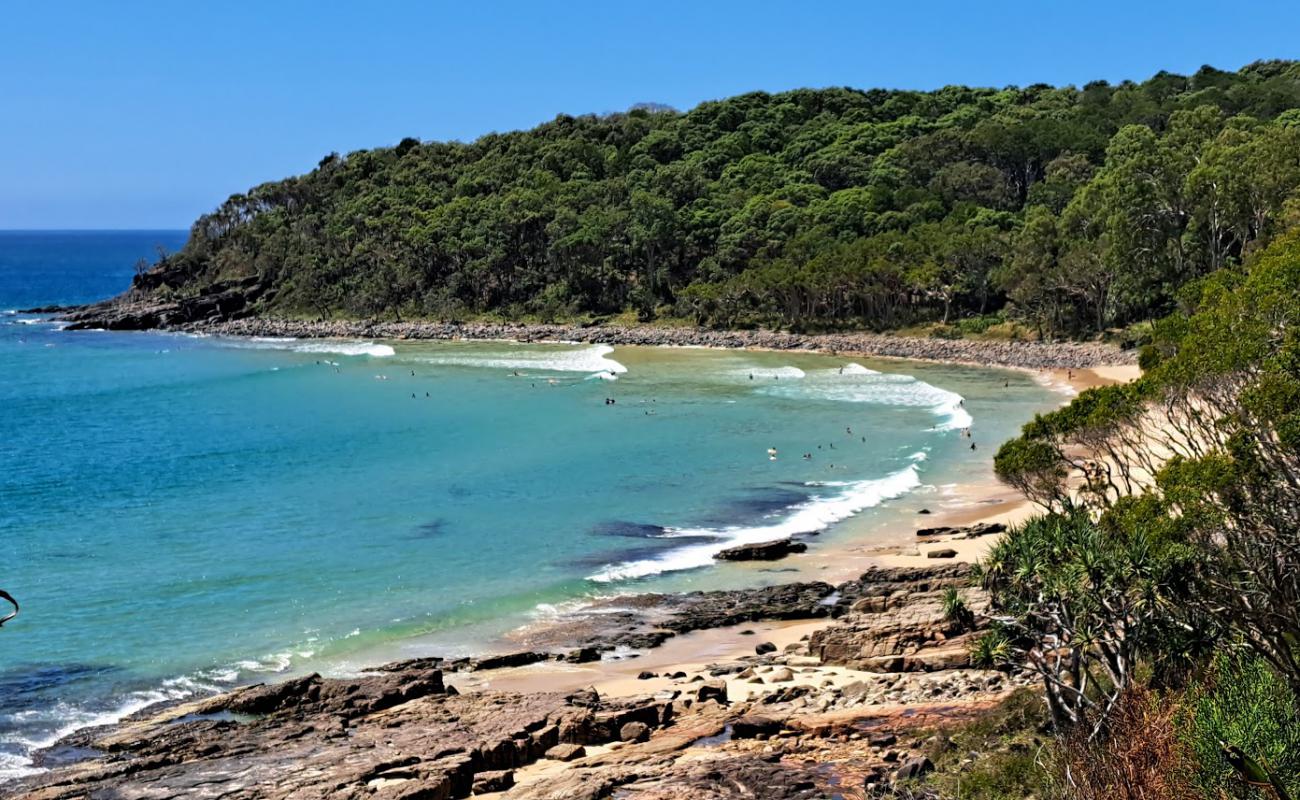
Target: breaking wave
[[815, 514], [880, 388], [327, 346], [593, 359]]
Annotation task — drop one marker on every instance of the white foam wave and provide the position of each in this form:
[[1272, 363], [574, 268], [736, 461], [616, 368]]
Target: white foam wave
[[879, 388], [343, 348], [857, 369], [815, 514], [592, 359]]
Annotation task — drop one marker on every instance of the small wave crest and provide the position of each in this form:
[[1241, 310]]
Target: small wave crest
[[37, 728], [592, 359], [342, 348], [890, 389], [814, 514]]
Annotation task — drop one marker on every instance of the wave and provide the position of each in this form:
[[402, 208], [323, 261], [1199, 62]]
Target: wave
[[815, 514], [879, 388], [342, 348], [61, 719], [593, 359]]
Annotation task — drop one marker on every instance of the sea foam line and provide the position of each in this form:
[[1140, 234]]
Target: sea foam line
[[814, 514], [862, 385], [343, 348], [592, 359]]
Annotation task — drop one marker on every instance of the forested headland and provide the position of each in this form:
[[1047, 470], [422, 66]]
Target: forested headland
[[1056, 212]]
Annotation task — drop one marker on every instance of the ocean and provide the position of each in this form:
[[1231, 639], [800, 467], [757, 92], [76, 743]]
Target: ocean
[[180, 514]]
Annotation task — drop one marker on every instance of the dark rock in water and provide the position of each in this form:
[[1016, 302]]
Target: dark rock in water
[[222, 301], [924, 511], [964, 531], [410, 665], [636, 530], [763, 551], [763, 648], [46, 310], [583, 655], [507, 660], [430, 530], [914, 768], [946, 552]]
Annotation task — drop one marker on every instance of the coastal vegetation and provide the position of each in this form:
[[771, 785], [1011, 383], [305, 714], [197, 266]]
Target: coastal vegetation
[[1165, 573], [1036, 210]]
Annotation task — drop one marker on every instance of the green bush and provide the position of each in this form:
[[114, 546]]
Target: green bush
[[955, 609], [1245, 704], [991, 650]]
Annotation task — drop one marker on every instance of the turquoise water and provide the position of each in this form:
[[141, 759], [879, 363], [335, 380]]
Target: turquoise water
[[182, 513]]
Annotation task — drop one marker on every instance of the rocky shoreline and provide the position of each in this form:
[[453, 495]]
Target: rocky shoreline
[[850, 709], [226, 310]]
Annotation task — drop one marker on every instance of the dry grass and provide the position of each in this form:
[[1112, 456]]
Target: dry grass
[[1141, 757]]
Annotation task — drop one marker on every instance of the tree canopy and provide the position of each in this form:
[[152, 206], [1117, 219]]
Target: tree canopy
[[1072, 209]]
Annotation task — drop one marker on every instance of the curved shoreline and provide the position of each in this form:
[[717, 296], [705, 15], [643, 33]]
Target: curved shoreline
[[1024, 355], [124, 313]]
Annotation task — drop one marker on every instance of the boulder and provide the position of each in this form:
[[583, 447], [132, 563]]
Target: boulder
[[493, 781], [914, 768], [946, 552], [712, 690], [763, 551], [752, 726], [566, 752], [582, 655], [634, 732], [764, 648]]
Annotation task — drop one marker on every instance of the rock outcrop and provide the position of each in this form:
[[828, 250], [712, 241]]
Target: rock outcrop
[[847, 709], [761, 551]]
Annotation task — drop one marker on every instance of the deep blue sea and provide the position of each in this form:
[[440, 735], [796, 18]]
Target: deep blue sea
[[179, 513]]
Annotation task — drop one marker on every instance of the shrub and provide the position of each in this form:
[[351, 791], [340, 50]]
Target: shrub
[[992, 650], [955, 609], [1244, 704]]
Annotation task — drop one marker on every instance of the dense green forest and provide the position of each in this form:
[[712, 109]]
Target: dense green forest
[[1068, 210], [1158, 596]]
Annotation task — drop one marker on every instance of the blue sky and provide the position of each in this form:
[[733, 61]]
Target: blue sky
[[145, 114]]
